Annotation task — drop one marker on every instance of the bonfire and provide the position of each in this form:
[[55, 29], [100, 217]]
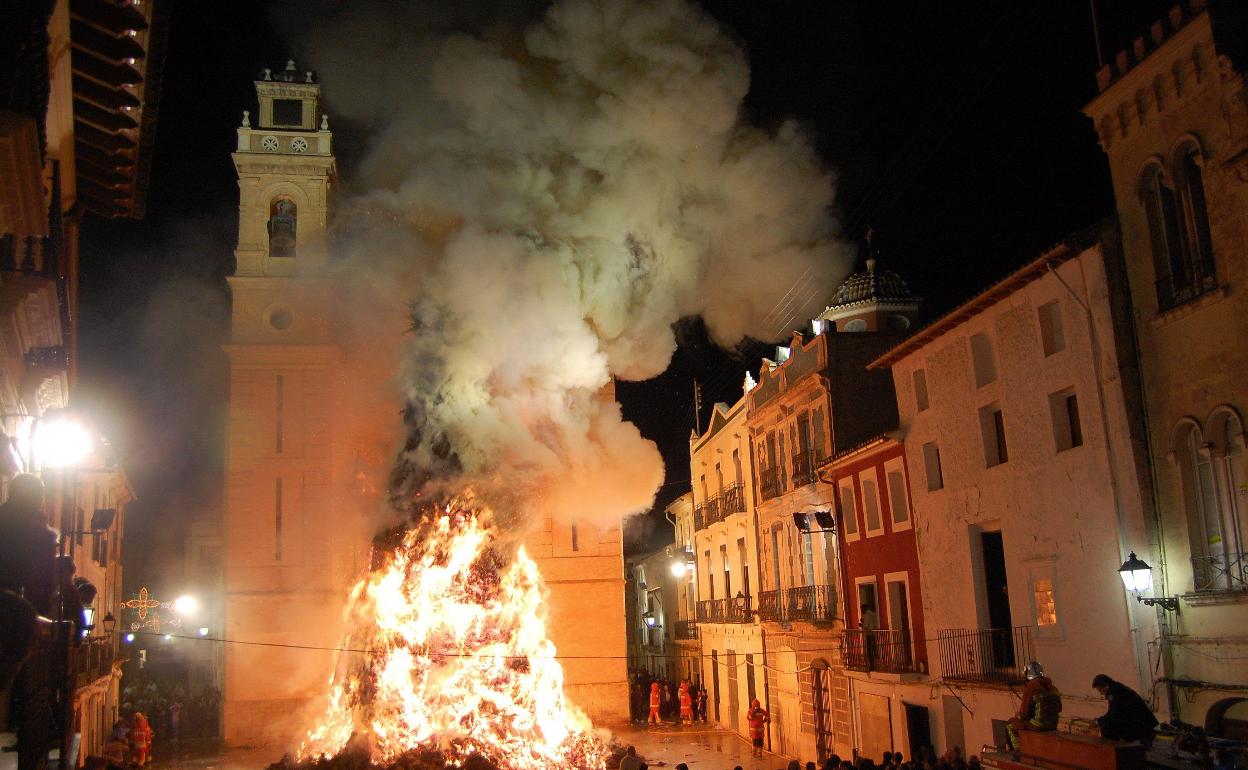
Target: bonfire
[[446, 661]]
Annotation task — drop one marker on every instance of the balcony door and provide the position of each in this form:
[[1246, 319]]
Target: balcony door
[[997, 598], [734, 696]]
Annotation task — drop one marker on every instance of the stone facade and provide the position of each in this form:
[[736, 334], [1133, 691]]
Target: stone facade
[[1172, 117], [1029, 489], [285, 570]]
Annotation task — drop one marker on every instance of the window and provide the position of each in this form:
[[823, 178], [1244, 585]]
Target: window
[[288, 112], [1178, 224], [871, 503], [898, 505], [576, 538], [1046, 609], [1212, 474], [931, 466], [1064, 410], [1051, 333], [982, 360], [710, 577], [849, 511], [920, 390], [283, 225], [277, 520], [736, 465], [992, 428]]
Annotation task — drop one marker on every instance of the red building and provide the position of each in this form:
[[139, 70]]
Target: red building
[[880, 558]]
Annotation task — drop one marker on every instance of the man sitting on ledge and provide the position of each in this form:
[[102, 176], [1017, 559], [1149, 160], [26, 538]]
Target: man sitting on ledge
[[1129, 718], [1039, 709]]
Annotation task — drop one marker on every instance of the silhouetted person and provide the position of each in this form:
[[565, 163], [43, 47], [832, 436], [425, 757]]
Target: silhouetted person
[[1129, 718], [28, 570]]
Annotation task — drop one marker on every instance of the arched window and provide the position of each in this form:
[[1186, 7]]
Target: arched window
[[1189, 173], [1162, 210], [1202, 503], [1230, 468], [283, 224]]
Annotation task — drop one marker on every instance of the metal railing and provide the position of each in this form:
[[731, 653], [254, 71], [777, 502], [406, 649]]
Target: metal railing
[[686, 629], [1171, 293], [880, 650], [1223, 572], [804, 469], [92, 660], [732, 499], [991, 655], [771, 482], [816, 604], [736, 610]]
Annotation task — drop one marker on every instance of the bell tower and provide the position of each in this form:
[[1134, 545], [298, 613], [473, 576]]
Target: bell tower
[[281, 567]]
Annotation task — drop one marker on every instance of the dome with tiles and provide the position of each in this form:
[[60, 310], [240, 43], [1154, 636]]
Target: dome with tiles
[[872, 285]]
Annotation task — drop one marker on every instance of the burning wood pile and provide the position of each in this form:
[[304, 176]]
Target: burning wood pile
[[447, 661]]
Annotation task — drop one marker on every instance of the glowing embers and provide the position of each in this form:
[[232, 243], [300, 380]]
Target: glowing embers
[[449, 652]]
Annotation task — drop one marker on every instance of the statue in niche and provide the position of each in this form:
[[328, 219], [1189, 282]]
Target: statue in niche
[[283, 221]]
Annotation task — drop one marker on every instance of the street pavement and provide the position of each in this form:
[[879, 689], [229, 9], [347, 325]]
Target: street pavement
[[701, 747]]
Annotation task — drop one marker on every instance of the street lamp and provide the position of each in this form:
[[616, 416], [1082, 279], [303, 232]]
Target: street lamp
[[186, 605], [61, 442], [651, 620], [1137, 576], [110, 624]]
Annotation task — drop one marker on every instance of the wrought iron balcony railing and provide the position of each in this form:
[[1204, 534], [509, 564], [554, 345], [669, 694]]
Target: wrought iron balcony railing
[[991, 655], [771, 482], [880, 650], [93, 659], [737, 610], [1223, 572], [816, 604], [686, 629], [732, 499], [804, 464]]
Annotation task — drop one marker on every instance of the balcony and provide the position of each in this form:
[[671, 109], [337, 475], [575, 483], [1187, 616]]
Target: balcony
[[815, 604], [686, 630], [987, 656], [771, 482], [804, 465], [1223, 572], [732, 499], [92, 660], [886, 650], [726, 610]]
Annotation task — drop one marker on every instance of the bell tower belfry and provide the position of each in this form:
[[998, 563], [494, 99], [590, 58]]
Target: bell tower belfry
[[282, 584]]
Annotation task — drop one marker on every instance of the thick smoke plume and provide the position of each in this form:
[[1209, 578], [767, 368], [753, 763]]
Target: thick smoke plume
[[560, 197]]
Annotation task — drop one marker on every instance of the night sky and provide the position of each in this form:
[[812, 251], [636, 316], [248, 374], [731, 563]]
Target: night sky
[[953, 128]]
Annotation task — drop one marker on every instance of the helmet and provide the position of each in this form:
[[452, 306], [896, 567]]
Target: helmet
[[755, 704], [1033, 670]]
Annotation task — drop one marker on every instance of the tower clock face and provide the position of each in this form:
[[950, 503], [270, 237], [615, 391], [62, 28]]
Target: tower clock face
[[269, 143], [299, 144]]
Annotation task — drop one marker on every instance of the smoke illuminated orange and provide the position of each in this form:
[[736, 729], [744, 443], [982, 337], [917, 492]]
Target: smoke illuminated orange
[[451, 652]]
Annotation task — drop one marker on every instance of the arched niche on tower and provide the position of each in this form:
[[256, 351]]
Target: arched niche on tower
[[291, 228]]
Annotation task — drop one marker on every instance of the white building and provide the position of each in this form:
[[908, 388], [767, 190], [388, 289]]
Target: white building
[[725, 549], [1027, 480]]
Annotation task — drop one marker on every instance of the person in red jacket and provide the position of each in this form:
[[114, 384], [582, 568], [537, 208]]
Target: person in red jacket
[[140, 739], [757, 717], [686, 704], [655, 702]]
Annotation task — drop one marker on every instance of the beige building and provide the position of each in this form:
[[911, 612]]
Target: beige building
[[582, 565], [725, 550], [1172, 117], [285, 568], [77, 116], [1018, 414], [684, 569]]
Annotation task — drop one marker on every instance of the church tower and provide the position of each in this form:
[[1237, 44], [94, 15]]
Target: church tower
[[281, 576]]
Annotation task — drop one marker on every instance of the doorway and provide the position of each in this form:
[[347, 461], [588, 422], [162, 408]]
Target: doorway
[[734, 697], [821, 692], [997, 596]]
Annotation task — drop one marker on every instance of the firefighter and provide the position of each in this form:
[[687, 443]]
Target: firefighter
[[140, 739], [655, 700], [686, 704], [757, 717], [1041, 704]]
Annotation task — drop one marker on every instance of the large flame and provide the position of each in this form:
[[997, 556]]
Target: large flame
[[448, 650]]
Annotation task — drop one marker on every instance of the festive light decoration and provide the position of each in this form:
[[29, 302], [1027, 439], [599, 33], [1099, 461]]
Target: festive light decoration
[[147, 612]]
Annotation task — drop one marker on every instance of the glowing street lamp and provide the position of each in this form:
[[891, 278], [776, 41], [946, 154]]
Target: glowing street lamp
[[61, 442], [186, 605], [1137, 576]]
